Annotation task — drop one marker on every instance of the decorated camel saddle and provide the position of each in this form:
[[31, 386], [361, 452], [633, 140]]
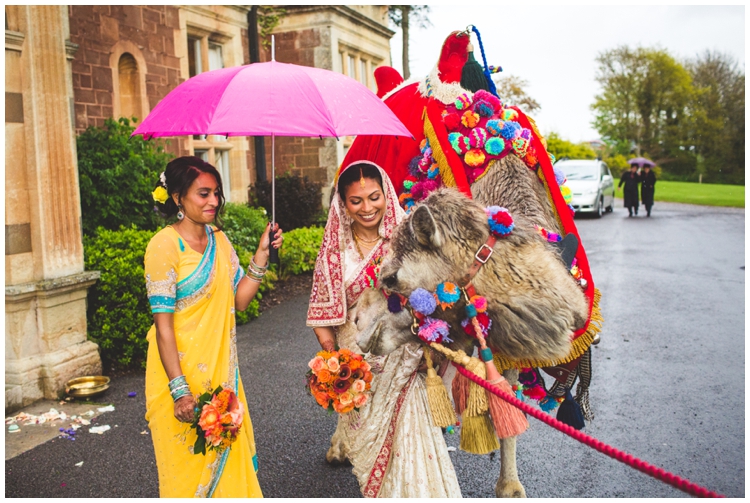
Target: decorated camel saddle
[[489, 237]]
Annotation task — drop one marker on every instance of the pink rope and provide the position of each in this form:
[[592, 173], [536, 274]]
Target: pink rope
[[628, 459]]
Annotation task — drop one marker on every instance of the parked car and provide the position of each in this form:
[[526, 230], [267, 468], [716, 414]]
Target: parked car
[[591, 183]]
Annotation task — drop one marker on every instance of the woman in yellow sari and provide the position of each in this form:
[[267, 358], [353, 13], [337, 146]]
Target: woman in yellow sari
[[195, 284]]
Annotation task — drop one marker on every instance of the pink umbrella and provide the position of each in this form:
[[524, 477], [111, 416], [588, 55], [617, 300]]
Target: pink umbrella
[[271, 99]]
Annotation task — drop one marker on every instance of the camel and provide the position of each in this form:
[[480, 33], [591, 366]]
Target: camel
[[534, 302]]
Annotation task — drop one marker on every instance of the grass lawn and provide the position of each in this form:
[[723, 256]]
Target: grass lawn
[[697, 193]]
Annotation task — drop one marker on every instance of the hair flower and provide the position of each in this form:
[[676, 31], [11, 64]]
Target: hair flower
[[160, 194]]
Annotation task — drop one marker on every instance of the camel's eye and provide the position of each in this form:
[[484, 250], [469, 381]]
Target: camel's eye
[[389, 281]]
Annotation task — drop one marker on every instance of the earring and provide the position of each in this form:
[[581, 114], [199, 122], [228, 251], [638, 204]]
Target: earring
[[180, 214]]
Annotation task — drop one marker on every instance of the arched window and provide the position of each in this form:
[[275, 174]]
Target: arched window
[[130, 89]]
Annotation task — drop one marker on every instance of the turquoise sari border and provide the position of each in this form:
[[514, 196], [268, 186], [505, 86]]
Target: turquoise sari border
[[225, 454], [198, 278]]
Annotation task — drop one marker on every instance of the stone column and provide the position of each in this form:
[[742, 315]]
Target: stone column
[[45, 295]]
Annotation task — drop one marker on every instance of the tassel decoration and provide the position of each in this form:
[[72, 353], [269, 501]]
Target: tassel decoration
[[477, 436], [472, 74], [460, 392], [570, 412], [507, 420], [437, 396]]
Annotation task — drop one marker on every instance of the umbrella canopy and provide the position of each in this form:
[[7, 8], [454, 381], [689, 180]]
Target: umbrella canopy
[[641, 162], [271, 99]]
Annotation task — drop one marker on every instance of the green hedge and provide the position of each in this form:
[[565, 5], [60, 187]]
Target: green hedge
[[118, 312], [300, 250], [117, 174]]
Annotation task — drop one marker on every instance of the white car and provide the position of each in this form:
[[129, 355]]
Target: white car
[[591, 183]]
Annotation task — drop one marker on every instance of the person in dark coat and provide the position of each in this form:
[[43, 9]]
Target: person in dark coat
[[648, 181], [631, 179]]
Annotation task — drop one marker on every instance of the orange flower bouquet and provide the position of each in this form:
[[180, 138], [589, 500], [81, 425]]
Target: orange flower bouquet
[[339, 380], [218, 419]]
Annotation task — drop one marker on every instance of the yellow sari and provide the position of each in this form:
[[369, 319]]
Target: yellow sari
[[199, 290]]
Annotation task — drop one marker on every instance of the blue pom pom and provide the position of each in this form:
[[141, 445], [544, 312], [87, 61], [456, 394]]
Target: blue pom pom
[[494, 146], [471, 311], [510, 130], [423, 301], [433, 172], [493, 127], [559, 175], [484, 109], [548, 404]]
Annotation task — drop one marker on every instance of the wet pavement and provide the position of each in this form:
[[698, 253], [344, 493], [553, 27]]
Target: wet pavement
[[668, 385]]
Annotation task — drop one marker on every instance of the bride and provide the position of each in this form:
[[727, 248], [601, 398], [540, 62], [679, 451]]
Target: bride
[[395, 449]]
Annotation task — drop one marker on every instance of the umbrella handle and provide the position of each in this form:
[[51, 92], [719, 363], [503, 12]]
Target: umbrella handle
[[273, 253]]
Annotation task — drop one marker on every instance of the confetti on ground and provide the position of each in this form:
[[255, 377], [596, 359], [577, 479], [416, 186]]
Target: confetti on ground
[[99, 429], [13, 428], [132, 394], [79, 464], [108, 408], [144, 432], [451, 448], [52, 415]]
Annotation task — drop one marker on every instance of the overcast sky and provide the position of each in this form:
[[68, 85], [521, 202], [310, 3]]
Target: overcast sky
[[554, 48]]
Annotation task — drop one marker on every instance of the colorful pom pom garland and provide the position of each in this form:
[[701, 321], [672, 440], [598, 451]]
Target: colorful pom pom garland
[[500, 222]]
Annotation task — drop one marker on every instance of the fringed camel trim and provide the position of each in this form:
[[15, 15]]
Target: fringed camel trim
[[437, 152], [580, 344], [402, 85], [445, 92]]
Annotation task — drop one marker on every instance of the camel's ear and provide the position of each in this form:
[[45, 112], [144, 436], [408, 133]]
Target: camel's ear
[[424, 228]]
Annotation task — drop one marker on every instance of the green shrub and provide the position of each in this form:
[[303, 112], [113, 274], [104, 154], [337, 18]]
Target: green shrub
[[244, 225], [300, 250], [298, 200], [118, 311], [117, 174]]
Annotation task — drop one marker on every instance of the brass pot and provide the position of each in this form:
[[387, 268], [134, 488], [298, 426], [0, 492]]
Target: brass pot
[[87, 386]]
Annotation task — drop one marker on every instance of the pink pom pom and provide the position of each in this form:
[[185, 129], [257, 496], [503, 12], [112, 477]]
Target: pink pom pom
[[478, 137], [422, 189], [479, 302]]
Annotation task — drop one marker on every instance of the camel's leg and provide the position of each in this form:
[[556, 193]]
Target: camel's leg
[[337, 454], [508, 485]]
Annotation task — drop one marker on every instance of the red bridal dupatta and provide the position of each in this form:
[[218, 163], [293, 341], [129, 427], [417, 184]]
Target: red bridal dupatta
[[332, 295]]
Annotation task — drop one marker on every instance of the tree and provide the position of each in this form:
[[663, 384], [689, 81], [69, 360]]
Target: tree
[[719, 108], [511, 90], [117, 174], [565, 149], [645, 100], [401, 16]]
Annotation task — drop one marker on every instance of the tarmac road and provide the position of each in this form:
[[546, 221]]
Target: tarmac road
[[668, 385]]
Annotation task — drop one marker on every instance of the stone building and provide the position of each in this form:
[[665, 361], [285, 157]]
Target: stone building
[[70, 67]]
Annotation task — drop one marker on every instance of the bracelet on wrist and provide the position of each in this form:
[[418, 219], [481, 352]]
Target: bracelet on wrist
[[256, 266], [177, 381]]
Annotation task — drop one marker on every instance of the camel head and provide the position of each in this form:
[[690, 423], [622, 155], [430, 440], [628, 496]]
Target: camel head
[[534, 303]]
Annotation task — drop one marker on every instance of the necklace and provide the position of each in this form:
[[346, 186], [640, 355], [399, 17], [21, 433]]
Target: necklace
[[357, 242], [361, 240]]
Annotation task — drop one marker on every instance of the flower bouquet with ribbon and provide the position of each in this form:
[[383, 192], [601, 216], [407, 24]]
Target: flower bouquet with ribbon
[[218, 419], [339, 380]]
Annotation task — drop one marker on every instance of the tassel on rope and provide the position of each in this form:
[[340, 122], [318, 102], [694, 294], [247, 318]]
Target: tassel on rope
[[570, 412], [460, 391], [472, 75], [477, 433], [437, 396], [507, 420]]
